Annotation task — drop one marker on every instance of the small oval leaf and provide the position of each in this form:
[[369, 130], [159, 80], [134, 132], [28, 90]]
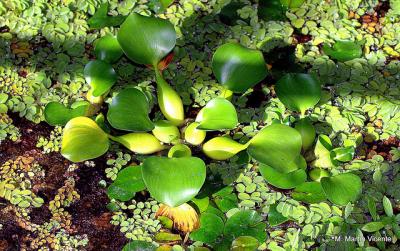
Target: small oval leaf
[[343, 50], [56, 113], [307, 132], [193, 135]]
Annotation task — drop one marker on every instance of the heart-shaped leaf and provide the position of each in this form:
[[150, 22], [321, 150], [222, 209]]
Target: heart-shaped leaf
[[218, 114], [283, 180], [56, 113], [83, 139], [238, 68], [173, 181], [128, 182], [211, 227], [343, 50], [222, 148], [139, 142], [101, 19], [307, 132], [277, 146], [107, 49], [146, 40], [169, 101], [245, 223], [245, 243], [193, 135], [309, 192], [166, 132], [298, 91], [129, 111], [100, 76], [179, 150], [342, 188]]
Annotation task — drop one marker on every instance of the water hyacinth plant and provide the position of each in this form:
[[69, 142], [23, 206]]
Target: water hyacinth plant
[[172, 175]]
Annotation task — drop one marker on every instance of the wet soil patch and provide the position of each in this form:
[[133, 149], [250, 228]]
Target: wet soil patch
[[89, 213]]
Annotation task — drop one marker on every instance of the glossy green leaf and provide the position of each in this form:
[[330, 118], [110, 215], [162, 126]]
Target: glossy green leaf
[[101, 19], [211, 227], [100, 76], [179, 150], [373, 226], [245, 243], [277, 146], [107, 49], [298, 91], [140, 142], [83, 139], [238, 68], [129, 110], [170, 102], [139, 245], [283, 180], [275, 218], [173, 181], [309, 192], [307, 132], [128, 182], [56, 113], [193, 135], [218, 114], [342, 188], [343, 50], [146, 40], [343, 154], [245, 223], [166, 132], [222, 148]]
